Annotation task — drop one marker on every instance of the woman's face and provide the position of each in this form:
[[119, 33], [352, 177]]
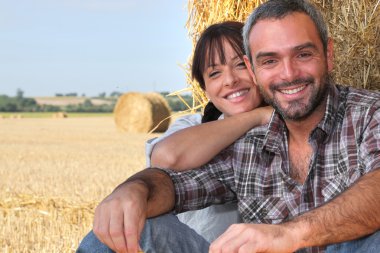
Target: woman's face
[[229, 86]]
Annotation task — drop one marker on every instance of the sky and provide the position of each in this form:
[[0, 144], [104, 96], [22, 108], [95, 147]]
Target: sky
[[92, 46]]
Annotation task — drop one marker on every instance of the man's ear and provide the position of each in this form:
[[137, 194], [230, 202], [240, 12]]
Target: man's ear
[[330, 54], [249, 67]]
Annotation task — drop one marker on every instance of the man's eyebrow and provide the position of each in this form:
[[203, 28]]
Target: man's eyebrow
[[305, 45], [296, 48], [265, 54]]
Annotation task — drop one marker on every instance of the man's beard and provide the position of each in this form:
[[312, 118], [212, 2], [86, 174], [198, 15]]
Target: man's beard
[[298, 110]]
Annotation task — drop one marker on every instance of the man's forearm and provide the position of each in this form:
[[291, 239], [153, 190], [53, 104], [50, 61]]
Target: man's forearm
[[161, 195], [351, 215]]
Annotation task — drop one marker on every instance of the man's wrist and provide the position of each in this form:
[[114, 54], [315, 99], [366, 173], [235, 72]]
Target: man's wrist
[[299, 232]]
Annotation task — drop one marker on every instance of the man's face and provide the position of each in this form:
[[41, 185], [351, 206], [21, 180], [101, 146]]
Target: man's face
[[289, 64]]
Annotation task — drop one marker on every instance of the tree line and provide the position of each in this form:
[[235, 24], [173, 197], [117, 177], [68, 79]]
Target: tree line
[[19, 103]]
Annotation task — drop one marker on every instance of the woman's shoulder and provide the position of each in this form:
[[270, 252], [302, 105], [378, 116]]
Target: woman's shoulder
[[188, 120]]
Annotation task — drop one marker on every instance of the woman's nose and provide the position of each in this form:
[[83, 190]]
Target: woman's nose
[[230, 78]]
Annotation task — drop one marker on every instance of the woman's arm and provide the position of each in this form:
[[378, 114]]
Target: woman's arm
[[194, 146]]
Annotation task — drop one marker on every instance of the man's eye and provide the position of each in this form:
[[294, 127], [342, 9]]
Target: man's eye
[[304, 55], [268, 62]]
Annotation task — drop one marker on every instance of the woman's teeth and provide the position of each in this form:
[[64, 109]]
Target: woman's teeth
[[293, 91], [237, 94]]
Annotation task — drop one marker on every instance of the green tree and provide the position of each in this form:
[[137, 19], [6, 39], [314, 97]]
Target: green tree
[[19, 94]]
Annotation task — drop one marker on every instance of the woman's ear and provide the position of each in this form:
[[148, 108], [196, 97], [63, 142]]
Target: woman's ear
[[250, 68], [208, 97]]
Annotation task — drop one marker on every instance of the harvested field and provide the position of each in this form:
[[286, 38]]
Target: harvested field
[[52, 175], [63, 101]]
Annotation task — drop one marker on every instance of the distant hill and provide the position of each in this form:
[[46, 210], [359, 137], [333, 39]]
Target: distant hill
[[63, 101]]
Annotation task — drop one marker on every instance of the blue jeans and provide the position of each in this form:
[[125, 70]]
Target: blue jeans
[[161, 234], [367, 244], [167, 234]]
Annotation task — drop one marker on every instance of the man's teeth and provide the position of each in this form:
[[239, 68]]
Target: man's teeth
[[237, 94], [290, 92]]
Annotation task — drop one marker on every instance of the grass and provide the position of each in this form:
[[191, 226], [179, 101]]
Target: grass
[[53, 174]]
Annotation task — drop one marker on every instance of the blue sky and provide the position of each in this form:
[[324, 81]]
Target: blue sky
[[92, 46]]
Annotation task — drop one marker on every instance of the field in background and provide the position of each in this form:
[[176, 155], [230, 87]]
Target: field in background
[[53, 172], [62, 101], [5, 115]]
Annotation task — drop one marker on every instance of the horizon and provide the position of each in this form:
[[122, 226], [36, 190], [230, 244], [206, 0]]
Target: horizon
[[92, 46]]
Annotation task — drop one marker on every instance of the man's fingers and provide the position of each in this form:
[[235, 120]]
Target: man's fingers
[[225, 240], [132, 242], [132, 231], [101, 228], [116, 231], [249, 247]]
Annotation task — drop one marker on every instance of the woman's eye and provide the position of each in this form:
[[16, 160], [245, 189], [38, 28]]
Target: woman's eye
[[213, 74], [241, 65]]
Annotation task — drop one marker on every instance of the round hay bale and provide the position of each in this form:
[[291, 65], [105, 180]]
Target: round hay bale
[[141, 113], [15, 116], [59, 115]]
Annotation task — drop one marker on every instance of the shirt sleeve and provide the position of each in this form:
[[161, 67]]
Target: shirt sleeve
[[212, 183], [370, 146], [180, 123]]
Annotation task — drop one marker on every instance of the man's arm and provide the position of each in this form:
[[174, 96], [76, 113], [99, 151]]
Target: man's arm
[[120, 218], [351, 215]]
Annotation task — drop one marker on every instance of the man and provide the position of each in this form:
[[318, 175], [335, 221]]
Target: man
[[307, 181]]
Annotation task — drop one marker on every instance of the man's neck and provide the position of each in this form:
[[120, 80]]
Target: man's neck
[[299, 130], [300, 150]]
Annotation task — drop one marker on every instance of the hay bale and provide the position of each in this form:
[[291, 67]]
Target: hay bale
[[15, 116], [59, 115], [142, 113], [353, 24]]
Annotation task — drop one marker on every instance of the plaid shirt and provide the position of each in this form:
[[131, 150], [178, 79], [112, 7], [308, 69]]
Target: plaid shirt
[[255, 169]]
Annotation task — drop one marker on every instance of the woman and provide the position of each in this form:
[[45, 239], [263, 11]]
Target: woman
[[219, 68]]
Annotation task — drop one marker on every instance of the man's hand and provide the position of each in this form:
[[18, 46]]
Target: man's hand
[[120, 218], [250, 238]]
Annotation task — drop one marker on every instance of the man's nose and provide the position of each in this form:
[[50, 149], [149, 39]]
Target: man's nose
[[289, 70]]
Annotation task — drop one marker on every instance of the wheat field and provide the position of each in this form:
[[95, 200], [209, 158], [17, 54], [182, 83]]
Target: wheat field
[[53, 173]]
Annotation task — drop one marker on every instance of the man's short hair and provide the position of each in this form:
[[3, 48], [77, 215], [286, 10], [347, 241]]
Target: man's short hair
[[278, 9]]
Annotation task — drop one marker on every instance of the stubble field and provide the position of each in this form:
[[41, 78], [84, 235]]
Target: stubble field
[[53, 173]]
